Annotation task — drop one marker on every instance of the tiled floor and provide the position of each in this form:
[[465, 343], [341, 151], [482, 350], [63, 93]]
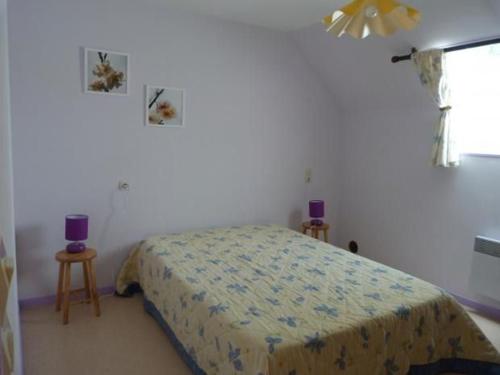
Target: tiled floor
[[124, 340]]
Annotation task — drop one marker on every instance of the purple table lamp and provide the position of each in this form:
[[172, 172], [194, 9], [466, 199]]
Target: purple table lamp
[[316, 212], [77, 228]]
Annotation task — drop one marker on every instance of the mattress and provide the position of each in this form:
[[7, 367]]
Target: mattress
[[265, 300]]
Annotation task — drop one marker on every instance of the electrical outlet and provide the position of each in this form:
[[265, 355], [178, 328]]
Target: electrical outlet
[[308, 175]]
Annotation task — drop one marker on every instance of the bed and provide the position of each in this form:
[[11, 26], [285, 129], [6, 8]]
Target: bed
[[265, 300]]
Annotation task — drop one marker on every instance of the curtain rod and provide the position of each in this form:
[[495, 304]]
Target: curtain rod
[[396, 59]]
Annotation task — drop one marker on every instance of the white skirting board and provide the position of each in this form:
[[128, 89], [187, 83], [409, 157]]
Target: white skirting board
[[485, 272]]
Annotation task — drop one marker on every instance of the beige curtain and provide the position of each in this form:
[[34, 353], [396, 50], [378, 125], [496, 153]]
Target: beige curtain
[[431, 67]]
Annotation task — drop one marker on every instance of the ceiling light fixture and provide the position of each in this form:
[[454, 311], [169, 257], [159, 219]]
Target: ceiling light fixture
[[361, 18]]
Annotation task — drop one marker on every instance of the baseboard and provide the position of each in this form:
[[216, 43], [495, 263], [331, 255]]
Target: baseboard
[[487, 311], [50, 300]]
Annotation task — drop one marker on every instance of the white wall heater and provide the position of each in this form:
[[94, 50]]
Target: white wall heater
[[485, 273]]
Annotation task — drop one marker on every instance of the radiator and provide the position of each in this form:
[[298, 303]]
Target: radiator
[[485, 272]]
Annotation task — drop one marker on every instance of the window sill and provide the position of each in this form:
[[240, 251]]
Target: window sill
[[479, 155]]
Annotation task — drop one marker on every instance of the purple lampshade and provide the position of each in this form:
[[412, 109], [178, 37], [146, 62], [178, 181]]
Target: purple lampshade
[[316, 209], [77, 227]]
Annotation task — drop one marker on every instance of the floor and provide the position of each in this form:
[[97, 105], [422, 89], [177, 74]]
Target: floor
[[124, 340], [89, 345]]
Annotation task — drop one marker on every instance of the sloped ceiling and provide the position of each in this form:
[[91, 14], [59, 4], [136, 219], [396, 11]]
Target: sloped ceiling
[[359, 72]]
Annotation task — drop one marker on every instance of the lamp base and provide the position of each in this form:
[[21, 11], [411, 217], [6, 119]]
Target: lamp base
[[75, 247], [317, 222]]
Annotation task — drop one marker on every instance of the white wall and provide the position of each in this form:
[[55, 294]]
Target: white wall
[[402, 211], [407, 214], [257, 116], [6, 184]]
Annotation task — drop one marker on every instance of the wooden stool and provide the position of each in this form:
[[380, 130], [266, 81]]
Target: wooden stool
[[315, 229], [64, 283]]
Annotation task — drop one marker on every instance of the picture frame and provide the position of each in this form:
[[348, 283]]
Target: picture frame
[[106, 72], [165, 107]]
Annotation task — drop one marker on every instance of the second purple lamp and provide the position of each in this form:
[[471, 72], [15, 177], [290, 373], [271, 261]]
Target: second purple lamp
[[316, 212]]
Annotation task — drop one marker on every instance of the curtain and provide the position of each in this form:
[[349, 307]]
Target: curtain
[[431, 67]]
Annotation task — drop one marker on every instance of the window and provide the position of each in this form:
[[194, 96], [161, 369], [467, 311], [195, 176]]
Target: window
[[474, 76]]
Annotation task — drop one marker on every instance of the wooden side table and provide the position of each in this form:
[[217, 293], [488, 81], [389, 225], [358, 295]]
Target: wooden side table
[[64, 291], [315, 229]]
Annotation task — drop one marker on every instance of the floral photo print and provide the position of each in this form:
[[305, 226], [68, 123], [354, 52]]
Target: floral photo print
[[106, 72], [164, 106]]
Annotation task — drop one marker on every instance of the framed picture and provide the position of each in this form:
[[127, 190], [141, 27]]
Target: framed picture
[[106, 72], [165, 107]]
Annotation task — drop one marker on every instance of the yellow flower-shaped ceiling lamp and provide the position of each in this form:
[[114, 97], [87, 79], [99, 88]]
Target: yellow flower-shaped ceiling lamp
[[364, 17]]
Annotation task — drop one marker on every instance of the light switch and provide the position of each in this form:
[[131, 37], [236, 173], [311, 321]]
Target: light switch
[[308, 175], [123, 186]]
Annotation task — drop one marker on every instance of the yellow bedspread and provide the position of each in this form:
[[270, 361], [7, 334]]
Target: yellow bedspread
[[268, 300]]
